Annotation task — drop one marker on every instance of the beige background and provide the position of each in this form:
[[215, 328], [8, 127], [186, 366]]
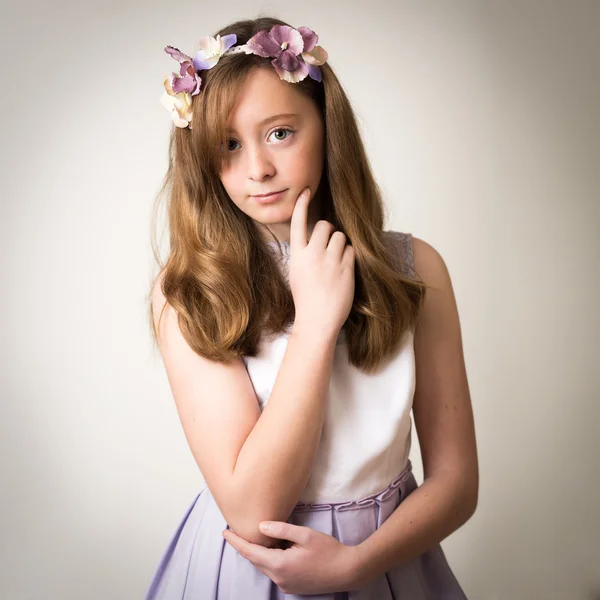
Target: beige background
[[482, 122]]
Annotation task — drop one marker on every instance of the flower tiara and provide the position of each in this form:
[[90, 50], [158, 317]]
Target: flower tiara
[[294, 52]]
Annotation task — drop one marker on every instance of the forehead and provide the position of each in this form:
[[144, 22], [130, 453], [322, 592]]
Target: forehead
[[262, 95]]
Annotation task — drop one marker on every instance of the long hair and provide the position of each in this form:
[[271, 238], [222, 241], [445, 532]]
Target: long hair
[[222, 279]]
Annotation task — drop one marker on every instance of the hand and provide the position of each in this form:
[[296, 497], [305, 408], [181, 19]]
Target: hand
[[316, 563], [321, 271]]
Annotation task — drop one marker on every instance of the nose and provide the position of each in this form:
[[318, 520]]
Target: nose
[[260, 164]]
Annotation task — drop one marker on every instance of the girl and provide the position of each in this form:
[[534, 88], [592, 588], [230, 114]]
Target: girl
[[297, 336]]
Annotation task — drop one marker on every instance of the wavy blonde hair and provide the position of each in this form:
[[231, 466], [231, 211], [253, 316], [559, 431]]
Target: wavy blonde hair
[[221, 277]]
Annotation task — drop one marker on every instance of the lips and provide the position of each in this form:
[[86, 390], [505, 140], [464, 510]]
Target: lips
[[269, 198], [267, 194]]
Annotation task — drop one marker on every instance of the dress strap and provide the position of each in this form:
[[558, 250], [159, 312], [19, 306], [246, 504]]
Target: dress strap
[[401, 245]]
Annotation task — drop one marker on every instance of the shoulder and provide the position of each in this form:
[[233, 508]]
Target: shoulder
[[439, 312], [422, 260], [429, 264], [425, 259]]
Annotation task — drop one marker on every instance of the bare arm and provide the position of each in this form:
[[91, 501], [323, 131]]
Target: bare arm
[[276, 459], [444, 422], [255, 465]]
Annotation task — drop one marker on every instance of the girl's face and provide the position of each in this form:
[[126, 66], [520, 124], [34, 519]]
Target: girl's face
[[275, 143]]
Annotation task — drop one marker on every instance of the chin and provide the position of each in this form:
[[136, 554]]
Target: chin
[[272, 212], [273, 222]]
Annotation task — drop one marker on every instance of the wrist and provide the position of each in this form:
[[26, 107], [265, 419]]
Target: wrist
[[304, 329], [357, 576]]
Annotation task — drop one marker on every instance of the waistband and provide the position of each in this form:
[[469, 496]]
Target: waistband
[[403, 478]]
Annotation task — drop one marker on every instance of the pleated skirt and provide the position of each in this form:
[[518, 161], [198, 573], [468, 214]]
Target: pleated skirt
[[199, 564]]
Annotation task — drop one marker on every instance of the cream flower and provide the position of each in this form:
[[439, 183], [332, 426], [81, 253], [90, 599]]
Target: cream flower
[[211, 50], [178, 104]]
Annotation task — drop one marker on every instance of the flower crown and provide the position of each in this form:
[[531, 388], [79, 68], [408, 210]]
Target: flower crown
[[294, 52]]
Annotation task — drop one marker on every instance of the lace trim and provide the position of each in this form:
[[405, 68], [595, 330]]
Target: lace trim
[[402, 244], [284, 247]]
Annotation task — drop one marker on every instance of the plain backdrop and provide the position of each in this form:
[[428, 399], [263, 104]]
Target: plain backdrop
[[482, 122]]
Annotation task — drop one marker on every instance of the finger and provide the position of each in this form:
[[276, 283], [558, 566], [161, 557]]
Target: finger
[[286, 531], [298, 234], [258, 555], [348, 256]]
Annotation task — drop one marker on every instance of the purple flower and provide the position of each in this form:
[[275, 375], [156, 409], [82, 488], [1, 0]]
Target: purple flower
[[293, 51], [189, 81]]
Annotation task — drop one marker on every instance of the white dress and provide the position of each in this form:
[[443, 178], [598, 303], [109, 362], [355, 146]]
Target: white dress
[[366, 437]]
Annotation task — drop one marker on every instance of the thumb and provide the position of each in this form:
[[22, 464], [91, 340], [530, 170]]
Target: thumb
[[283, 531], [270, 527]]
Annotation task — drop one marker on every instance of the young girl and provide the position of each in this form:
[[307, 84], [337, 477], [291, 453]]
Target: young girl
[[297, 335]]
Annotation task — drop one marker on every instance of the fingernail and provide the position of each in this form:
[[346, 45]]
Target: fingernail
[[265, 526]]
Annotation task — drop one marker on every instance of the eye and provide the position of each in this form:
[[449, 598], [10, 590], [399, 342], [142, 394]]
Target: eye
[[282, 130], [229, 141], [279, 138]]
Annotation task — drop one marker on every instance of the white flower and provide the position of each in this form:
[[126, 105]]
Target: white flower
[[179, 105]]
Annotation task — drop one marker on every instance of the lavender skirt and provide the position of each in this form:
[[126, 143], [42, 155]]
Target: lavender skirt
[[199, 564]]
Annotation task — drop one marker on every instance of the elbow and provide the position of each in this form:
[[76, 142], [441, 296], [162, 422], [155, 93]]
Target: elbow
[[464, 505], [248, 510], [464, 493], [471, 507], [246, 527], [470, 500], [244, 516], [466, 485]]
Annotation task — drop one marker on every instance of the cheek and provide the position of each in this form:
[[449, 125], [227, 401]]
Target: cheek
[[315, 154], [307, 164], [230, 182]]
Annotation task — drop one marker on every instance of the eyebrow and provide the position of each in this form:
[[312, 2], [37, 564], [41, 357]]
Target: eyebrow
[[272, 118]]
